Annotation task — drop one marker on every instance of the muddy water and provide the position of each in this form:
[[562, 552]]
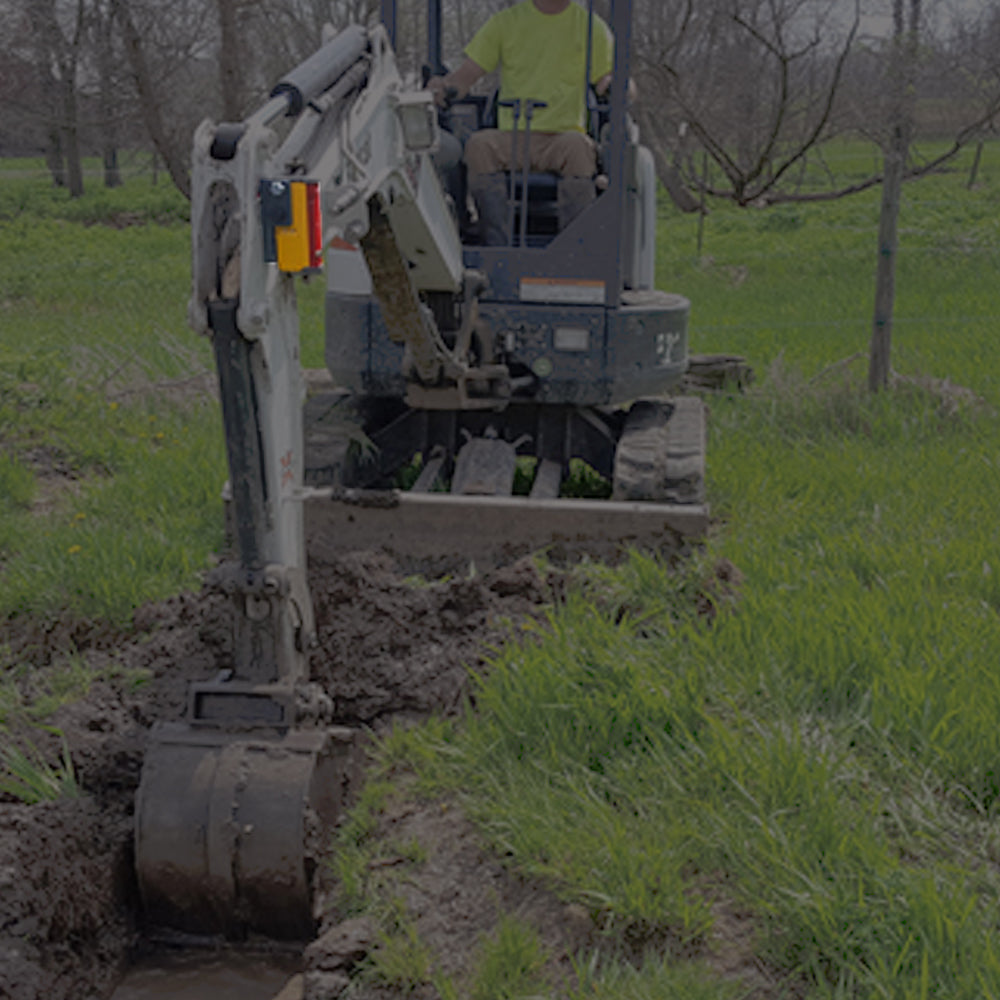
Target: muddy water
[[205, 976]]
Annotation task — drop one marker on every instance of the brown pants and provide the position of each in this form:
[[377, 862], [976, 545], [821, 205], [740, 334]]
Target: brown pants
[[569, 154]]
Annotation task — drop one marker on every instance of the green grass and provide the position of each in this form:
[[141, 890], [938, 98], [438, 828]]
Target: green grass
[[27, 776], [822, 754], [510, 963], [819, 754], [111, 452], [28, 194]]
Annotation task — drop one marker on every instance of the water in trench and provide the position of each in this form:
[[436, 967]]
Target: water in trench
[[198, 975]]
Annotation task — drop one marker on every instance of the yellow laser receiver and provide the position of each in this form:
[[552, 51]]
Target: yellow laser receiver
[[292, 219]]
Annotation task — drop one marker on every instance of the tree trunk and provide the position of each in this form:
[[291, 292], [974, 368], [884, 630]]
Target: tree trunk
[[71, 139], [666, 171], [54, 157], [974, 172], [109, 104], [880, 350], [902, 65], [175, 162], [112, 173], [231, 59]]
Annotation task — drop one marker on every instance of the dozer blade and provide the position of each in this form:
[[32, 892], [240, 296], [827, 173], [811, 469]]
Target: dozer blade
[[229, 827], [655, 456], [443, 531]]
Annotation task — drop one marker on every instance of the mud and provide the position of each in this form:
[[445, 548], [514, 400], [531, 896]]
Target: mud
[[389, 647], [199, 975]]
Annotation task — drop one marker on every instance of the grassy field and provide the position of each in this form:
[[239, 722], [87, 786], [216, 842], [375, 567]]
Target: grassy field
[[822, 757], [819, 755]]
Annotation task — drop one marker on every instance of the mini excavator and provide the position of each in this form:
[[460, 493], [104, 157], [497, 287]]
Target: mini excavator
[[459, 359]]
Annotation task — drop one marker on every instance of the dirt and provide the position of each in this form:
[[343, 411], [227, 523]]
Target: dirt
[[455, 898], [389, 647]]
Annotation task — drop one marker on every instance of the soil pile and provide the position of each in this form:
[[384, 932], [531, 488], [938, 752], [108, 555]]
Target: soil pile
[[388, 647]]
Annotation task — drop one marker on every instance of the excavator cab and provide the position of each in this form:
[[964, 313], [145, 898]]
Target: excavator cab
[[533, 195], [533, 204]]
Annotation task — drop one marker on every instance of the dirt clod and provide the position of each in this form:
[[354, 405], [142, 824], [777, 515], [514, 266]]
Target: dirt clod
[[342, 946]]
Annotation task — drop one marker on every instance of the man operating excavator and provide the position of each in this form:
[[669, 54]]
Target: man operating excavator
[[541, 49]]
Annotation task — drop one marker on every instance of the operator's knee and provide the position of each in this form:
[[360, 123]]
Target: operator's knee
[[487, 152], [447, 158], [448, 155], [571, 154]]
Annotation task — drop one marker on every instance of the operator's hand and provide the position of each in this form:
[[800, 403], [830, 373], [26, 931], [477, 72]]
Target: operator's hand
[[439, 90]]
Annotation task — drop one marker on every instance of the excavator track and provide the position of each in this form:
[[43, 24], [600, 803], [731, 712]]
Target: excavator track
[[661, 453]]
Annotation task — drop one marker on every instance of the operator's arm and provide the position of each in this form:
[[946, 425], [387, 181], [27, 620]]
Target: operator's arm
[[460, 80]]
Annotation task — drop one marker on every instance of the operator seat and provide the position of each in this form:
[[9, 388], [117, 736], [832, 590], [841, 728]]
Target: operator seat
[[477, 111]]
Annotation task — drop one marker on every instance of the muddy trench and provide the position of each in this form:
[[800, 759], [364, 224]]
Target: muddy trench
[[390, 648]]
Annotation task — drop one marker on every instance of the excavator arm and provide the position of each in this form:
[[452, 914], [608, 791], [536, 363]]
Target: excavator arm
[[234, 798]]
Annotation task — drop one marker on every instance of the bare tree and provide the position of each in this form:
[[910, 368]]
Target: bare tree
[[58, 32], [169, 62], [752, 82], [762, 85], [233, 46]]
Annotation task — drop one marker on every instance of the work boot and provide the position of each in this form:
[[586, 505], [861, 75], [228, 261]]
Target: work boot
[[575, 194], [492, 202]]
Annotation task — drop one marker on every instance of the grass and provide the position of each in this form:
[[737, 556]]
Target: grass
[[111, 452], [822, 753], [819, 753], [27, 776], [510, 963]]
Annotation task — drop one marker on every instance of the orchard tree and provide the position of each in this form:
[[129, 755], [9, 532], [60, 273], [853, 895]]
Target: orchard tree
[[57, 33], [903, 55], [760, 86], [754, 84], [169, 52], [110, 107]]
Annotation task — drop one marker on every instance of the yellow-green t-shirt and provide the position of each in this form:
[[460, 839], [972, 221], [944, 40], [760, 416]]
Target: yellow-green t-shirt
[[543, 57]]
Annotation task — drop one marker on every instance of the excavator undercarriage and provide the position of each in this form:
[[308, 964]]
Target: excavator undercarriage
[[482, 488]]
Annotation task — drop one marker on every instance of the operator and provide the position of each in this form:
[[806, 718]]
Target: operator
[[540, 47]]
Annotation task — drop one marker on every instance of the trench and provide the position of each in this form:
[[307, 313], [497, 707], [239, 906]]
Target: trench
[[388, 650], [200, 975]]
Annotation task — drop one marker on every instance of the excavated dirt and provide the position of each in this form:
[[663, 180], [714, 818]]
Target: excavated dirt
[[389, 648], [456, 897]]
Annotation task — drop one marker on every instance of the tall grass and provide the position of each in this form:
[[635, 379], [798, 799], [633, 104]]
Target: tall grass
[[27, 776], [111, 453], [822, 753], [111, 450]]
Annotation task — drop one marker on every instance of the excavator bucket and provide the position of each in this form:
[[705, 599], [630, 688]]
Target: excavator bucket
[[230, 827]]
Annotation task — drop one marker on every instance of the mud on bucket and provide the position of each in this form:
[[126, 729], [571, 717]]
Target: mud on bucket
[[229, 828]]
